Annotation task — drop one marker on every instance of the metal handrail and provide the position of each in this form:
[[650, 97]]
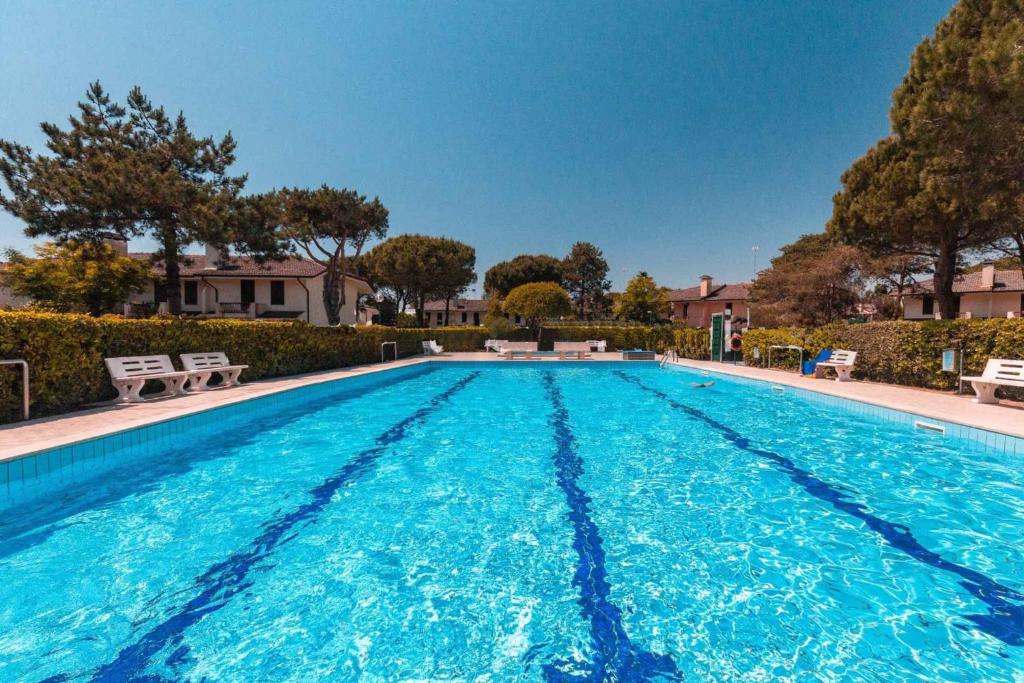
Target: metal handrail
[[24, 383], [669, 356], [786, 346], [383, 344]]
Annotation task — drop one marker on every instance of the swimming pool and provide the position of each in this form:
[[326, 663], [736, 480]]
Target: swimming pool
[[529, 521]]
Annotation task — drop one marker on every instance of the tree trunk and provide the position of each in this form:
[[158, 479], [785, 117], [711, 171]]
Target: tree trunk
[[945, 273], [421, 301], [332, 301], [447, 310], [172, 282]]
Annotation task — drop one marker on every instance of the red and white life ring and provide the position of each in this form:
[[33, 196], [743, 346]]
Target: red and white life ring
[[735, 342]]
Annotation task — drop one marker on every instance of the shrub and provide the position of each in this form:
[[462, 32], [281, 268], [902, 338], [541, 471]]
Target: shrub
[[899, 351], [688, 342], [65, 352]]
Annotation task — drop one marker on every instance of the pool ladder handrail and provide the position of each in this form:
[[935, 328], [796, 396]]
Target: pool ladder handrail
[[669, 356], [25, 400]]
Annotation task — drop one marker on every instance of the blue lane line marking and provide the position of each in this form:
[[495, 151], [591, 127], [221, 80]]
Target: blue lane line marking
[[1005, 620], [223, 581], [615, 656]]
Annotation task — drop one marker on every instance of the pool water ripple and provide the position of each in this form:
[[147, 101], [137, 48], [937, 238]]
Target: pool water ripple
[[1005, 618]]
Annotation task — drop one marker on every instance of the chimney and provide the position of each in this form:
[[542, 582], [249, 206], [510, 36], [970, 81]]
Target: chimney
[[705, 286], [215, 257], [988, 275], [120, 246]]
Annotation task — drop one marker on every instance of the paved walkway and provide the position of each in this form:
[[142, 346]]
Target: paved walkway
[[1007, 418], [18, 439]]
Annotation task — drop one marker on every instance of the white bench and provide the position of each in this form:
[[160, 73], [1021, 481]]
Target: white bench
[[431, 348], [510, 350], [202, 366], [998, 372], [129, 375], [580, 349], [841, 361]]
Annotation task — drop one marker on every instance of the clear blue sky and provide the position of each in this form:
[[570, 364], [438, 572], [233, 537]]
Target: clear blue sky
[[673, 135]]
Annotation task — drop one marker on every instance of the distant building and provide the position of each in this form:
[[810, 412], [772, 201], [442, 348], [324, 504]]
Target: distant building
[[470, 312], [217, 285], [987, 293], [694, 306]]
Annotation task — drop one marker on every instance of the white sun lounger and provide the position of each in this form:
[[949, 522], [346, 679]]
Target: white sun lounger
[[431, 348], [599, 345], [841, 361], [494, 344], [202, 366], [998, 372], [129, 375]]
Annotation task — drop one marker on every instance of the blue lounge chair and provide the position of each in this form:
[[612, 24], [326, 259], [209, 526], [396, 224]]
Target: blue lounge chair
[[811, 365]]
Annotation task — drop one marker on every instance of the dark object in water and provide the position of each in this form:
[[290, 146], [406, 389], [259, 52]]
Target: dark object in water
[[701, 385]]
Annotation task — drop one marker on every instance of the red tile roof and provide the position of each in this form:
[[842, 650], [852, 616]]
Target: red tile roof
[[468, 305], [194, 265], [1005, 281], [737, 292]]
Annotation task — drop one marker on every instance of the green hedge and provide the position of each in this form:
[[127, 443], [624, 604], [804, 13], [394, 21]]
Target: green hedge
[[688, 342], [901, 351], [66, 352]]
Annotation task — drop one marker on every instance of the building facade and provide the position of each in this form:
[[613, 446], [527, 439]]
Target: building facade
[[987, 293], [694, 306], [218, 285]]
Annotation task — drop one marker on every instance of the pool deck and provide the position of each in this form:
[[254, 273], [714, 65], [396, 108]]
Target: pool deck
[[22, 438]]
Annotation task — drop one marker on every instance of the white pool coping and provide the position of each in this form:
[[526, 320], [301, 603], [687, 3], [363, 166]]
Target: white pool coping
[[26, 438]]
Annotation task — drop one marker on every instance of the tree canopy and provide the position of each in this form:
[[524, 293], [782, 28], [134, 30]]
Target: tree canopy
[[949, 180], [413, 269], [130, 171], [505, 276], [643, 300], [536, 302], [585, 274], [323, 224], [814, 281], [74, 277]]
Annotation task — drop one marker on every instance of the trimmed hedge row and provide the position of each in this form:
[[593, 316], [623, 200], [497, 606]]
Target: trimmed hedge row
[[65, 352], [898, 352], [688, 342]]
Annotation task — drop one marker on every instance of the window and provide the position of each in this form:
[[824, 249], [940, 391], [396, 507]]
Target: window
[[928, 305], [191, 293], [686, 310], [248, 291], [440, 318], [464, 318], [277, 292], [476, 318], [159, 293]]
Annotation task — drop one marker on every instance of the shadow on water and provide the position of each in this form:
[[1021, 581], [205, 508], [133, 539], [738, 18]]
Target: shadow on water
[[1004, 620]]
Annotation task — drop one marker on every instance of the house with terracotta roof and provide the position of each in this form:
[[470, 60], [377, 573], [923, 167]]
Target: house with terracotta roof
[[460, 312], [987, 293], [471, 312], [694, 306], [218, 285]]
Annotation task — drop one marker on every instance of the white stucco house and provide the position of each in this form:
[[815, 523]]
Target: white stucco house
[[217, 285], [987, 293]]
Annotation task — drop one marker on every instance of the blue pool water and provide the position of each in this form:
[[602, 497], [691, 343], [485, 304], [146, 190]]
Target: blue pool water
[[537, 521]]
